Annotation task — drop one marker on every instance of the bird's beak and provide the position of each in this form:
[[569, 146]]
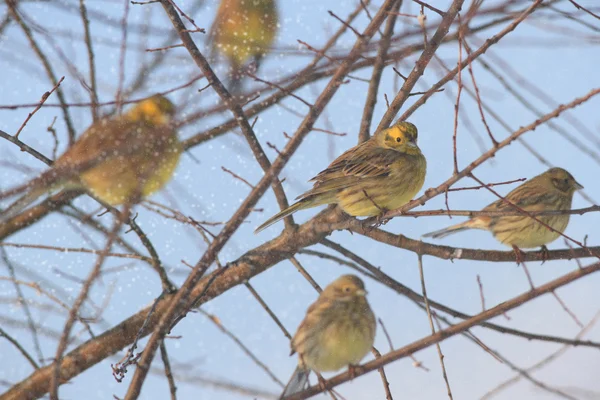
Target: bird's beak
[[578, 185], [413, 145], [361, 292]]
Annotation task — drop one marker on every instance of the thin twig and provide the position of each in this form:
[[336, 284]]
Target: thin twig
[[21, 349], [41, 103], [545, 361], [91, 63], [305, 274], [25, 148], [168, 372], [420, 65], [12, 5], [268, 310], [214, 319], [584, 9], [123, 51], [489, 42], [428, 309], [481, 295], [56, 377], [23, 303], [378, 66]]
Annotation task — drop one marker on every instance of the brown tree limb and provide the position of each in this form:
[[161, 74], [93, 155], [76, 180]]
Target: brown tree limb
[[456, 253], [471, 214]]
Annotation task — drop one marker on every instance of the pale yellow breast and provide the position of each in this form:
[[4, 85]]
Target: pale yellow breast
[[344, 340], [526, 233], [120, 179]]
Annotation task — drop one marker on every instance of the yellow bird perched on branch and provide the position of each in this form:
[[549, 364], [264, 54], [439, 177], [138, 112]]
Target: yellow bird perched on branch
[[552, 190], [383, 173], [338, 331], [244, 30], [119, 160]]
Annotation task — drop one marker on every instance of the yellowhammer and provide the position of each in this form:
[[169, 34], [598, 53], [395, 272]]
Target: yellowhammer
[[244, 29], [552, 190], [119, 160], [383, 173], [338, 331]]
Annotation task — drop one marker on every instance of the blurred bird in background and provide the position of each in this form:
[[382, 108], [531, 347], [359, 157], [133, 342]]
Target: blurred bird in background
[[243, 30], [118, 159], [552, 190], [338, 331]]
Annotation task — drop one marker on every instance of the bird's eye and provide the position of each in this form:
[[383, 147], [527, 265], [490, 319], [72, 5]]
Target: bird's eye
[[398, 139], [347, 289]]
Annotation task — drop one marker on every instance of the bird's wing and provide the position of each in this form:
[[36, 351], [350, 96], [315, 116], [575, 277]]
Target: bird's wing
[[524, 196], [314, 318], [363, 160], [351, 168]]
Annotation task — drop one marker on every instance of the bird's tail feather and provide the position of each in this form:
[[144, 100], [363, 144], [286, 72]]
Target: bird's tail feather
[[236, 80], [297, 383], [284, 213], [21, 203], [450, 230], [52, 179]]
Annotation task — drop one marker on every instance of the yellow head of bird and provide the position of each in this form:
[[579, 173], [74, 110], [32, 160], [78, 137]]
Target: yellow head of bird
[[156, 110], [561, 180], [345, 288], [401, 137]]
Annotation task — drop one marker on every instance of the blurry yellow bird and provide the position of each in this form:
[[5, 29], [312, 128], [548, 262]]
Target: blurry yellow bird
[[552, 190], [244, 30], [383, 173], [119, 160], [338, 331]]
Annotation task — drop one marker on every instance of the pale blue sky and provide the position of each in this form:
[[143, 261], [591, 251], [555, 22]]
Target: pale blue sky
[[557, 56]]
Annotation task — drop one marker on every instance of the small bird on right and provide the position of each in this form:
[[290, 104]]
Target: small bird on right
[[552, 190]]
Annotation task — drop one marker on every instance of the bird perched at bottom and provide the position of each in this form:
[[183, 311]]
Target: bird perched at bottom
[[552, 190], [338, 331], [243, 30], [382, 173], [119, 160]]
